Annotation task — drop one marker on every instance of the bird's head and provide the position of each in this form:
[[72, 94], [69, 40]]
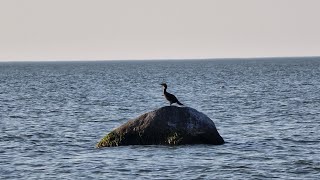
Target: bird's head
[[164, 85]]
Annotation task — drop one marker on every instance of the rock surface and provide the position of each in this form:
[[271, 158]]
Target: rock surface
[[169, 125]]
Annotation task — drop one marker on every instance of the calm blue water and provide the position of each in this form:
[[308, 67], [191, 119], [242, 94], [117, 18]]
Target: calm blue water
[[53, 114]]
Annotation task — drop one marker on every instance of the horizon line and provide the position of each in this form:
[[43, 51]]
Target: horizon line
[[163, 59]]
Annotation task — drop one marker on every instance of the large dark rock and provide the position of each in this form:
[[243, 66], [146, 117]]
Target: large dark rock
[[168, 125]]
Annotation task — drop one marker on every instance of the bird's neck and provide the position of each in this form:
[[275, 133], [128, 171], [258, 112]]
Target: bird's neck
[[164, 90]]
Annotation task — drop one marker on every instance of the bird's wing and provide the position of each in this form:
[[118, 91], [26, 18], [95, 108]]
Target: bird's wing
[[172, 97]]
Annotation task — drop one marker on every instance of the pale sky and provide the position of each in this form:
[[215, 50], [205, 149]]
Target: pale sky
[[157, 29]]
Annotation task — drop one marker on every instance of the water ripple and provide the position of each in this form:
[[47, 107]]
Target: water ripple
[[53, 114]]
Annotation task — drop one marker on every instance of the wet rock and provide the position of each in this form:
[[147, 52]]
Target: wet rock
[[169, 125]]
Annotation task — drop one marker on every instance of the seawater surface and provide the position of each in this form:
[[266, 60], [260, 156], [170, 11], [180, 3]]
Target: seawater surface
[[53, 113]]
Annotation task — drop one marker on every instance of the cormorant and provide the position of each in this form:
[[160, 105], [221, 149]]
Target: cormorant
[[170, 97]]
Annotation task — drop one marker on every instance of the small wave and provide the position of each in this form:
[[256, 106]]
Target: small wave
[[16, 117], [301, 141]]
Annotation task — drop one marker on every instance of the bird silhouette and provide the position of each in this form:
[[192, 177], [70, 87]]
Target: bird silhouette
[[170, 97]]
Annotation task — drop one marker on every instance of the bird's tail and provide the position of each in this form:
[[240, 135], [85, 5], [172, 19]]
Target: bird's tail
[[179, 103]]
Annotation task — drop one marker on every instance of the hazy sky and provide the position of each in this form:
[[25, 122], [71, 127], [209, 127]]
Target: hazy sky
[[150, 29]]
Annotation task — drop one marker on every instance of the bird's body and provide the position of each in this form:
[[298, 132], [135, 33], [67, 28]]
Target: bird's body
[[170, 97]]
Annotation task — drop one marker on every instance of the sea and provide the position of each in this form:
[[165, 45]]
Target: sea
[[52, 114]]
